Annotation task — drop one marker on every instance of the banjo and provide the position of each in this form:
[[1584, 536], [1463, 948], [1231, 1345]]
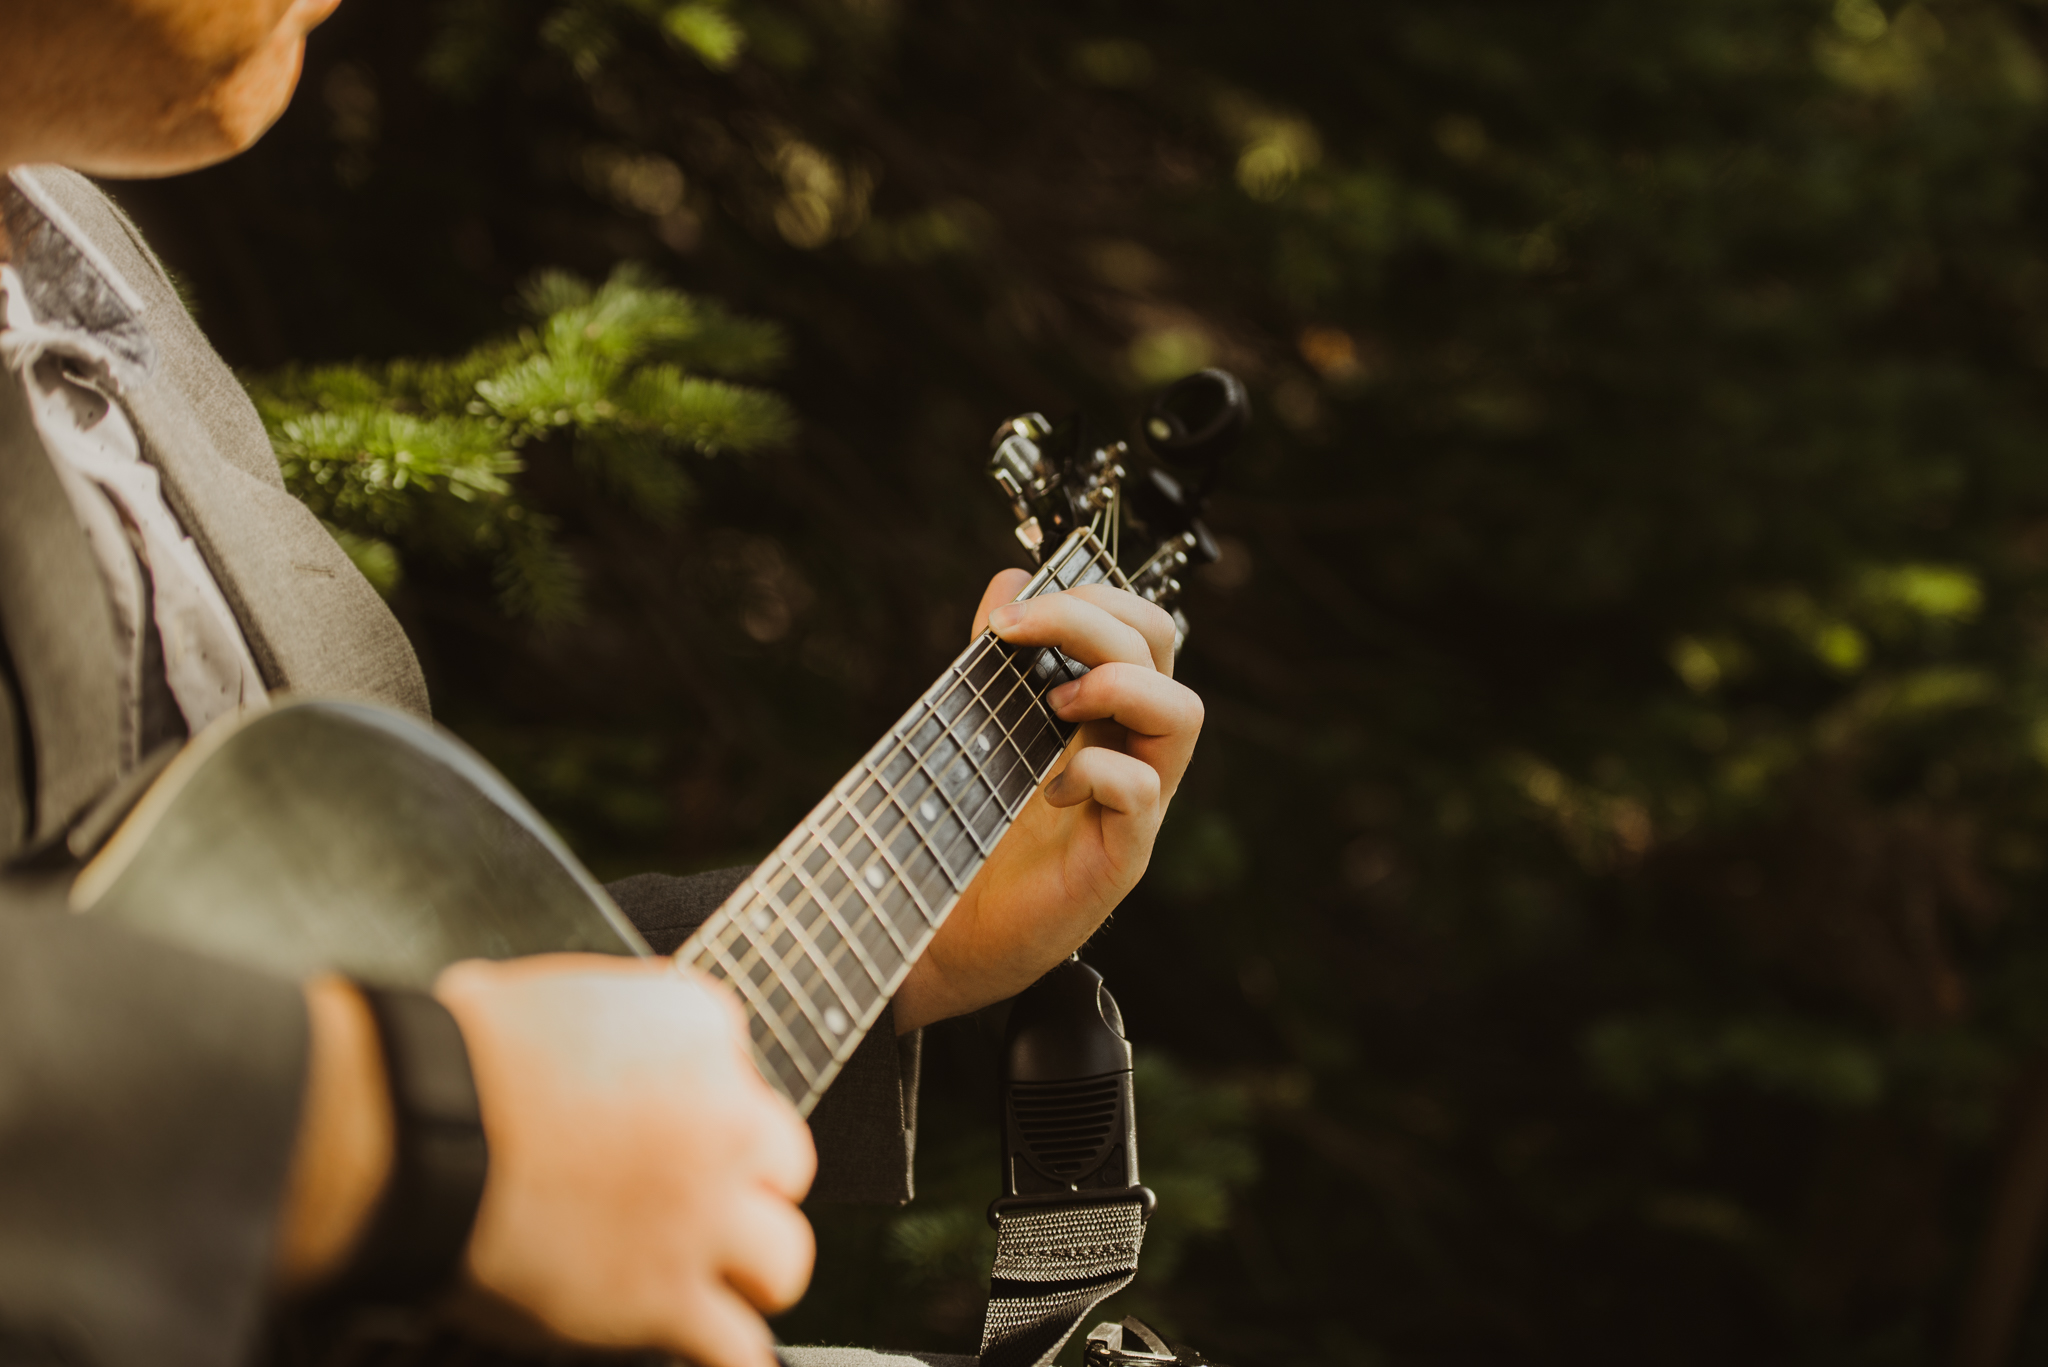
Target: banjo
[[336, 835]]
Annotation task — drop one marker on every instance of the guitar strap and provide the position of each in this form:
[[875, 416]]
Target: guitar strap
[[1054, 1264], [1072, 1215]]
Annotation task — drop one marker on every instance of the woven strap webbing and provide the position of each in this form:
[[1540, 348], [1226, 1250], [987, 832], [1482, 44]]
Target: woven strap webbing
[[1055, 1264]]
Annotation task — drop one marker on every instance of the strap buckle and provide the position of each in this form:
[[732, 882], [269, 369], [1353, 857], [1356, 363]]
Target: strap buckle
[[1133, 1344], [1147, 1199]]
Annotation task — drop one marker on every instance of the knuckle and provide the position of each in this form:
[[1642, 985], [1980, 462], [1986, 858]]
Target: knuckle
[[461, 979], [1158, 622], [797, 1261], [1115, 676], [717, 1005]]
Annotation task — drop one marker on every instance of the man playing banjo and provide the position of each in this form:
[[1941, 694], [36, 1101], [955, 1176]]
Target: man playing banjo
[[186, 1144]]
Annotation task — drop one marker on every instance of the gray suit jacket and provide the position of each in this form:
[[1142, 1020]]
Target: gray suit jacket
[[149, 1096]]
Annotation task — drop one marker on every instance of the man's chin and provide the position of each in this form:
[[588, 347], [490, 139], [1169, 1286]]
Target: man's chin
[[225, 122]]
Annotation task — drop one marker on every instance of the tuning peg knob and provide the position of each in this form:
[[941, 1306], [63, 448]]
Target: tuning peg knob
[[1197, 421]]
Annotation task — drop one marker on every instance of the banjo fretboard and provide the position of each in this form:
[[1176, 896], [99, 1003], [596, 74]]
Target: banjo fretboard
[[821, 935]]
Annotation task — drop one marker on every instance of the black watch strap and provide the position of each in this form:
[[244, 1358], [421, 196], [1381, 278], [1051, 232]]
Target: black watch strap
[[413, 1248]]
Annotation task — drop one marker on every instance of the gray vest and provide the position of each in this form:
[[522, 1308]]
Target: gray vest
[[314, 625]]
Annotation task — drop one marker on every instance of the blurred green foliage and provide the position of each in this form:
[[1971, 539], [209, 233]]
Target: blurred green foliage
[[424, 452], [1609, 890]]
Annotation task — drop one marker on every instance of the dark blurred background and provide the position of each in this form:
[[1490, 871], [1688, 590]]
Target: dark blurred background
[[1603, 923]]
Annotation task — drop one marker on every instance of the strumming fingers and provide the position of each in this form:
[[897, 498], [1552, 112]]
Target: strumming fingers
[[770, 1250], [782, 1154], [719, 1328]]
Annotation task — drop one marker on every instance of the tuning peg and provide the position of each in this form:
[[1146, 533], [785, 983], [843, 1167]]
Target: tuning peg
[[1196, 422]]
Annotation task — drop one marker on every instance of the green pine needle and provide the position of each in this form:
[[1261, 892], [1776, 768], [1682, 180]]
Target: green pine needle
[[422, 455]]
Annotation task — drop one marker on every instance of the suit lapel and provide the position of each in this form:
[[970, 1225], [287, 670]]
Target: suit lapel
[[313, 623]]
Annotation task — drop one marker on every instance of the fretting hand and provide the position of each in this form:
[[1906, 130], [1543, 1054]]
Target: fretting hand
[[1085, 837]]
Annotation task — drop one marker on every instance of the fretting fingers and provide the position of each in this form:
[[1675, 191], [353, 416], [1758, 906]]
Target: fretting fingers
[[1002, 589], [1152, 623], [1121, 783], [1130, 708], [1132, 696], [1081, 627], [1148, 619]]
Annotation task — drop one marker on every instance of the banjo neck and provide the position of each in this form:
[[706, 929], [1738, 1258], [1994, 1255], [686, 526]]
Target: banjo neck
[[823, 933]]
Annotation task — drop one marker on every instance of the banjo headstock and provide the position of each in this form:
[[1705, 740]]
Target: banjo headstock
[[1058, 479]]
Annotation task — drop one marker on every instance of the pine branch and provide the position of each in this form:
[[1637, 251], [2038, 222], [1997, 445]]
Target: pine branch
[[422, 456]]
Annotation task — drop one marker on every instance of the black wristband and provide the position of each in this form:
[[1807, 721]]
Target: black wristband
[[412, 1250]]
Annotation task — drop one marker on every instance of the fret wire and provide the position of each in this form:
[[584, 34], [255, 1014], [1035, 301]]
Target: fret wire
[[846, 932], [888, 857], [896, 796], [760, 941], [801, 934], [939, 790], [823, 1070], [885, 983], [976, 777], [718, 925], [921, 759], [852, 938], [741, 928], [920, 766], [857, 884], [800, 926], [884, 989], [738, 929], [939, 787], [840, 988], [1034, 706], [749, 990], [1009, 732], [888, 922], [1073, 549], [780, 969], [1083, 542], [995, 720], [989, 720], [840, 1045], [916, 893]]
